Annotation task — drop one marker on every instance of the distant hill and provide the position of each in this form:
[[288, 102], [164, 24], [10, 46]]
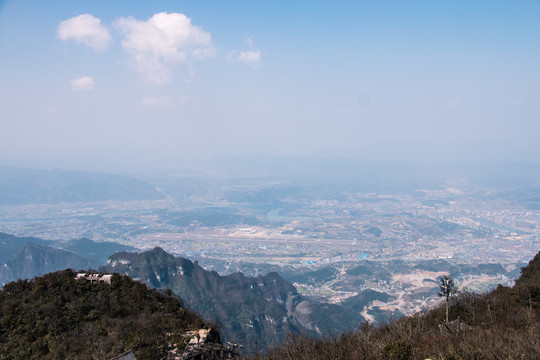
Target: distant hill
[[26, 186], [26, 257], [364, 298], [10, 245], [315, 277], [99, 252], [261, 310], [58, 317], [457, 269], [34, 260]]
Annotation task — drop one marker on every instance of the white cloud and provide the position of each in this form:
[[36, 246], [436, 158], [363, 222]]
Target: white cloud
[[249, 57], [85, 29], [83, 83], [163, 41], [249, 40]]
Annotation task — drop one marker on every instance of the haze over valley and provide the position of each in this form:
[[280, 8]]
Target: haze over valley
[[279, 167], [371, 238]]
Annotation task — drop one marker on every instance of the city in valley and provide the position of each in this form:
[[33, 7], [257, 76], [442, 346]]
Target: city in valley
[[333, 241]]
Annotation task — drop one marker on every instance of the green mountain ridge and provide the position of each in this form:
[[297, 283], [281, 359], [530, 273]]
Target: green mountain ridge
[[256, 312]]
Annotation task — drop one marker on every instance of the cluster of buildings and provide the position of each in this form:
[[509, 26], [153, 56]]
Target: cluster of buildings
[[95, 278]]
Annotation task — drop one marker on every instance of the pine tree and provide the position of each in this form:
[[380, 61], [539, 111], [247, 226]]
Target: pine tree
[[447, 288]]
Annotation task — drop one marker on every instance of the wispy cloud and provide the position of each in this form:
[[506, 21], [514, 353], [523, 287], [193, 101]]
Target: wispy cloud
[[249, 57], [83, 83], [163, 41], [156, 101], [85, 29], [249, 40], [159, 101]]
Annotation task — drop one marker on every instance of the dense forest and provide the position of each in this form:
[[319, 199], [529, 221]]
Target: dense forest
[[502, 324], [58, 317]]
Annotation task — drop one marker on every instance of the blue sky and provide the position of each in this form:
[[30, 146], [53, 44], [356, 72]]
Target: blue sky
[[99, 84]]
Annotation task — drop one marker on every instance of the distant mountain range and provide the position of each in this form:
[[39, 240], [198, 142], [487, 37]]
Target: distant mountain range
[[26, 257], [515, 181], [31, 186]]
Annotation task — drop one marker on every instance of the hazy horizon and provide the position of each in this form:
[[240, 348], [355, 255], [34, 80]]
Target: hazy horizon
[[162, 86]]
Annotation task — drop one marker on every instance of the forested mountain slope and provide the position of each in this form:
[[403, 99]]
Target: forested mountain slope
[[58, 317]]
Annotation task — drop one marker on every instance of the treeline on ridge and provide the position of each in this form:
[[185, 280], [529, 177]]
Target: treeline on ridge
[[58, 317]]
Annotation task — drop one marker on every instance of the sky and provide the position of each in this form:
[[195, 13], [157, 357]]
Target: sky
[[113, 85]]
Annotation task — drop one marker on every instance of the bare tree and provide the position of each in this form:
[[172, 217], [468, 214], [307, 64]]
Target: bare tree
[[447, 288]]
